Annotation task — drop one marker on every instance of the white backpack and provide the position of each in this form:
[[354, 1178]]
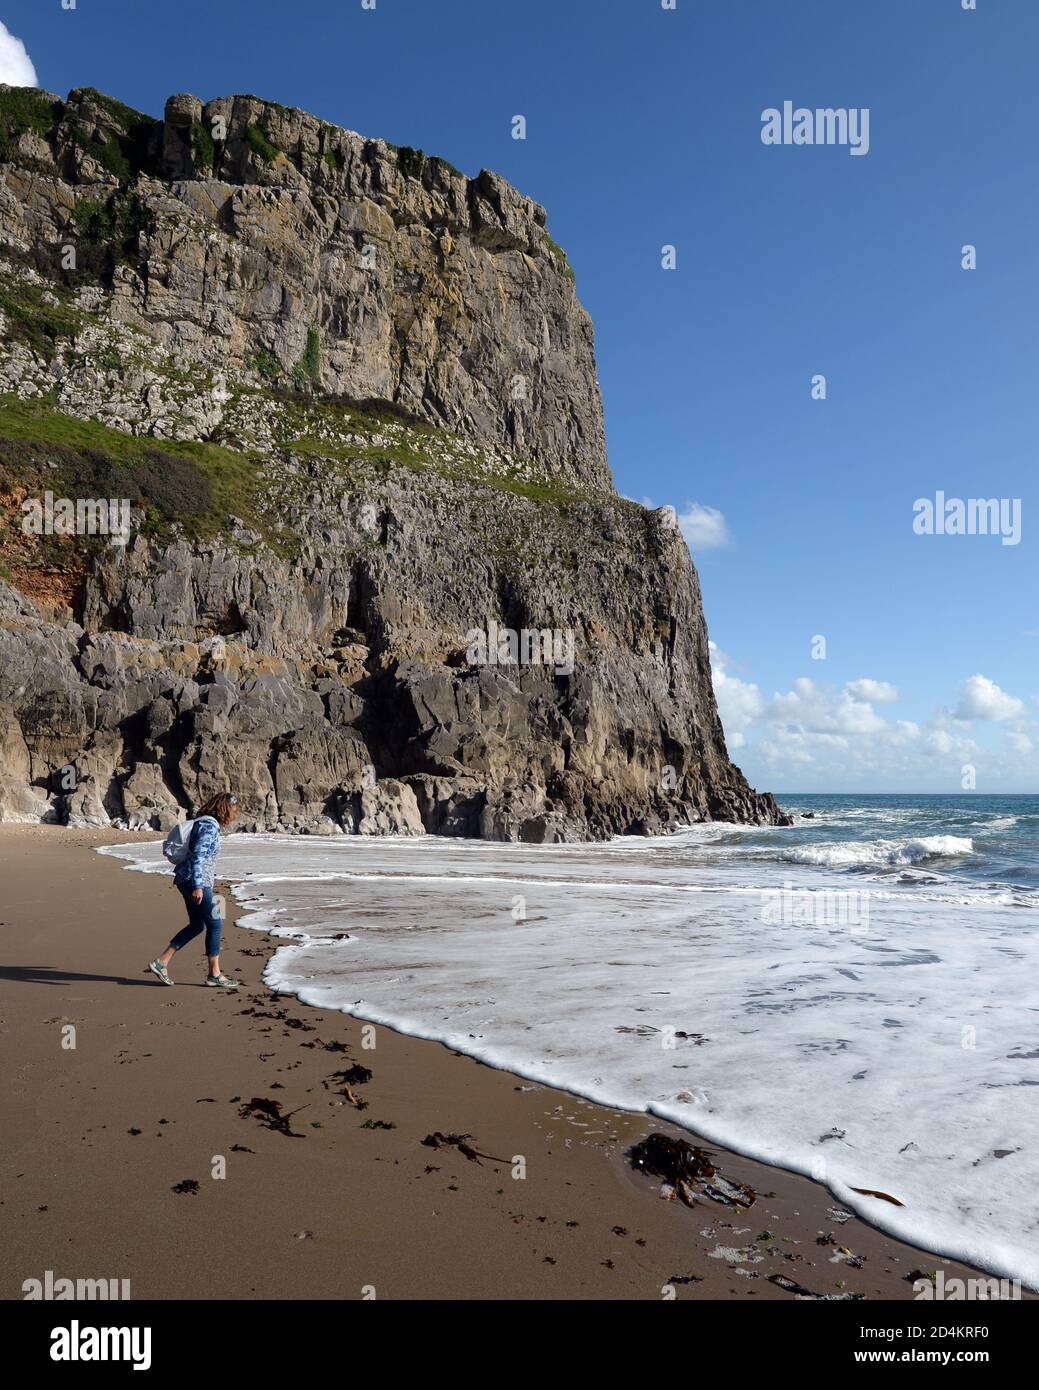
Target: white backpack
[[175, 846]]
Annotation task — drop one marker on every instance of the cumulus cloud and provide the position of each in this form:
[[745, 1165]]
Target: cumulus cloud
[[873, 692], [830, 737], [739, 702], [981, 698], [807, 712], [822, 711], [16, 67], [704, 528]]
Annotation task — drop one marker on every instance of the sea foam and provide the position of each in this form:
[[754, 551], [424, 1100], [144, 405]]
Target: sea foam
[[898, 1057], [877, 853]]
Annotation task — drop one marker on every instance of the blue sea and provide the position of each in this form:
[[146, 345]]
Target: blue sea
[[980, 847], [853, 997]]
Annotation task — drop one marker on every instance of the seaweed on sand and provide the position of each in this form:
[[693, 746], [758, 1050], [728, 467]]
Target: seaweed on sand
[[270, 1113], [436, 1140], [688, 1168]]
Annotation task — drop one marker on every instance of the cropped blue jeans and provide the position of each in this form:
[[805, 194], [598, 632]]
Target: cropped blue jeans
[[202, 917]]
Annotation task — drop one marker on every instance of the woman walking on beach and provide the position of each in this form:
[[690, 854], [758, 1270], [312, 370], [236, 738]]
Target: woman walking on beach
[[194, 877]]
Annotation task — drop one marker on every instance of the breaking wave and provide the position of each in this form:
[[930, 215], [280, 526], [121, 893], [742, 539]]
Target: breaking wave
[[872, 854]]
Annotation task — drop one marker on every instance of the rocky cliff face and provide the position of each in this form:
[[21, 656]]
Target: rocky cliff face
[[377, 578]]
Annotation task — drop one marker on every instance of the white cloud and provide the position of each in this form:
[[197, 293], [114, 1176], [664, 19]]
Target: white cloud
[[16, 67], [821, 711], [806, 713], [981, 698], [873, 692], [704, 528], [739, 702], [815, 736]]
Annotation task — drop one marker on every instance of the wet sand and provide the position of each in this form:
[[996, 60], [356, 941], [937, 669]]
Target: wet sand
[[97, 1137]]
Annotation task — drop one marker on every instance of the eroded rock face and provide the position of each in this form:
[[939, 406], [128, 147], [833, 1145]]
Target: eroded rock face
[[333, 259], [358, 705], [473, 638]]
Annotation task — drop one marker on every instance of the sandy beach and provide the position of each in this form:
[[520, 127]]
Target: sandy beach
[[113, 1148]]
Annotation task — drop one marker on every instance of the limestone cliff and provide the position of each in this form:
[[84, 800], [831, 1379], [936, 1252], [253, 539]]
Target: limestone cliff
[[377, 577]]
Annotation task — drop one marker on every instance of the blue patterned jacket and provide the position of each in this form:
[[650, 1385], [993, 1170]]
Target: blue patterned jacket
[[196, 871]]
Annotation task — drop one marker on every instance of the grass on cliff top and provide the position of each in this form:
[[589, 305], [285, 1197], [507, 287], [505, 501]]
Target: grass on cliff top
[[25, 109], [230, 486], [127, 153], [561, 257], [126, 116]]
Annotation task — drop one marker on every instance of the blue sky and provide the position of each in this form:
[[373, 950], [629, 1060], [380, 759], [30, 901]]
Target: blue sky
[[644, 131]]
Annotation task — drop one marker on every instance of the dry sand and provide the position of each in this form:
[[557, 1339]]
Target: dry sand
[[97, 1137]]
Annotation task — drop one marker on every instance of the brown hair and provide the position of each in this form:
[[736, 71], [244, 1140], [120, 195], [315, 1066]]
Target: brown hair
[[221, 807]]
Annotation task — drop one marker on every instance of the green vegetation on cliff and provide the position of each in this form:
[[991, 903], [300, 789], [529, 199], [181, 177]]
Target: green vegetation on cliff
[[410, 162], [260, 145], [203, 148], [37, 317], [307, 371], [116, 222], [195, 485], [24, 109], [193, 489], [127, 153], [561, 257]]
